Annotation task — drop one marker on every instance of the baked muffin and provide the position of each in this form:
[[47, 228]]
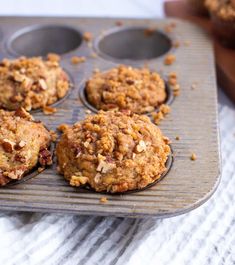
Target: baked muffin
[[126, 88], [31, 83], [198, 6], [113, 151], [23, 143], [223, 20]]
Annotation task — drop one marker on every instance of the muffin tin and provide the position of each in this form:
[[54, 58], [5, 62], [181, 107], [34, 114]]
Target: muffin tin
[[193, 117]]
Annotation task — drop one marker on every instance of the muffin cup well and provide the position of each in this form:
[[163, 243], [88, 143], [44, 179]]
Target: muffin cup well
[[133, 44], [41, 40]]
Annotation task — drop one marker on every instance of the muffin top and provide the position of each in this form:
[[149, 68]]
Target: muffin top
[[23, 143], [110, 150], [31, 83], [223, 9], [126, 88]]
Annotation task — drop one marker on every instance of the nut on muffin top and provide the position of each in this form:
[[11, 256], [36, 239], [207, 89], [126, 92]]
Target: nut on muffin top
[[126, 88], [23, 143], [113, 151], [31, 83]]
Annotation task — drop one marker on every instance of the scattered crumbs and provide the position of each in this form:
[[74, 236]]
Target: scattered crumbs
[[177, 138], [161, 114], [176, 44], [62, 127], [47, 110], [93, 55], [103, 200], [77, 60], [193, 157], [149, 32], [173, 83], [89, 44], [170, 27], [40, 169], [96, 70], [53, 57], [119, 23], [88, 111], [187, 43], [193, 86], [54, 135], [87, 36], [169, 59]]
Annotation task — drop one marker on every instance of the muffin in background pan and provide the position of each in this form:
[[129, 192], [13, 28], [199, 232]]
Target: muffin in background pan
[[23, 144], [198, 6], [126, 88], [223, 20], [31, 83], [113, 152]]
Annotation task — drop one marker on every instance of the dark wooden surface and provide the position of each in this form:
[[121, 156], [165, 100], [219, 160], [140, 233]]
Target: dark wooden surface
[[225, 58], [194, 118]]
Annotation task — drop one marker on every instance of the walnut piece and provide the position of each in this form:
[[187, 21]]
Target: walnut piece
[[8, 145], [45, 157], [141, 147]]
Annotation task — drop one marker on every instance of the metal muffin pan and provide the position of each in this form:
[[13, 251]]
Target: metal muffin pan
[[188, 183]]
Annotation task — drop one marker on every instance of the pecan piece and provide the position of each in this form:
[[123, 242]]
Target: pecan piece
[[45, 157], [8, 145]]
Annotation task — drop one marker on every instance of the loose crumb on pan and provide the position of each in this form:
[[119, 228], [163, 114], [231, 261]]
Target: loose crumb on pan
[[103, 200], [53, 57], [161, 114], [40, 169], [77, 60], [187, 43], [93, 55], [47, 110], [177, 138], [149, 32], [169, 59], [173, 83], [194, 86], [88, 111], [87, 36], [170, 27], [176, 44], [193, 157], [119, 23]]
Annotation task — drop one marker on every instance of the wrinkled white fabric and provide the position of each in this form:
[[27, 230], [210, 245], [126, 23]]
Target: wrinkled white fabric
[[202, 237]]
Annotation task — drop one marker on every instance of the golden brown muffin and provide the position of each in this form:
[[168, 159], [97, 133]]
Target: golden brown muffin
[[223, 20], [23, 143], [31, 83], [126, 88], [113, 151]]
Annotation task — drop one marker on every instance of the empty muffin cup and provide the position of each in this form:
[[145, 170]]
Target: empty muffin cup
[[41, 40], [133, 44]]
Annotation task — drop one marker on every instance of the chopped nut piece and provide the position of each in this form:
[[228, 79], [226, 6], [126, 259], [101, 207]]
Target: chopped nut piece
[[8, 145], [47, 110], [63, 127], [103, 200], [43, 84], [86, 144], [74, 181], [53, 57], [97, 178], [88, 111], [20, 145], [105, 166], [193, 157], [77, 60], [22, 113], [87, 36], [169, 59], [141, 146], [18, 77], [45, 157]]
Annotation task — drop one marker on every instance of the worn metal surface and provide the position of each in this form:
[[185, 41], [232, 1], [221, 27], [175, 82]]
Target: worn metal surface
[[194, 115]]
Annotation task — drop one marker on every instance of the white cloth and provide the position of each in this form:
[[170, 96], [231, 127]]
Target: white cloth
[[202, 237]]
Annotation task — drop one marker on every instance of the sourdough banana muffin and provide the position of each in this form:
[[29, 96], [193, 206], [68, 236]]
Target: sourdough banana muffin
[[126, 88], [113, 151], [223, 20], [31, 83], [23, 144]]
